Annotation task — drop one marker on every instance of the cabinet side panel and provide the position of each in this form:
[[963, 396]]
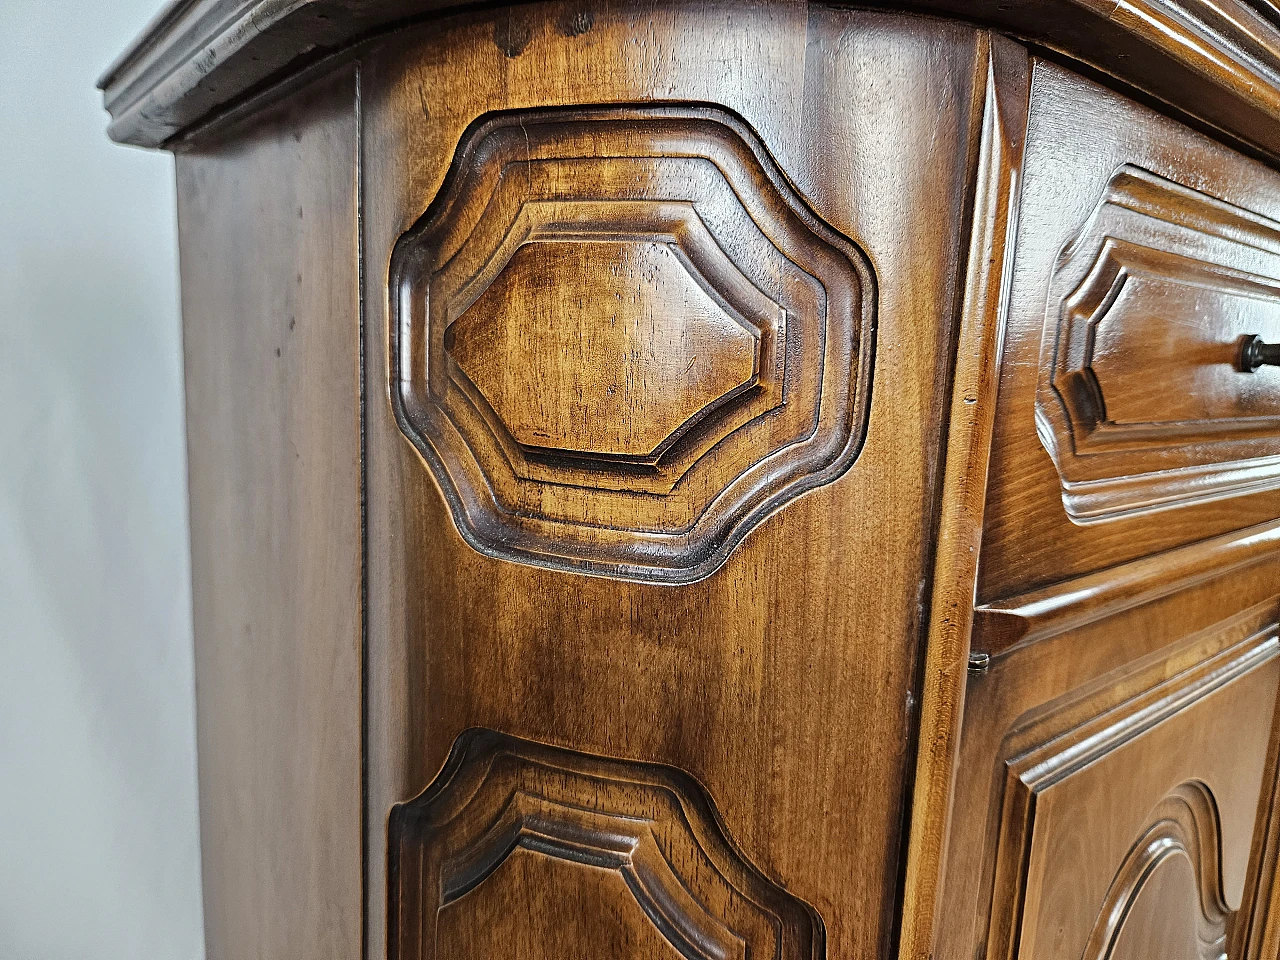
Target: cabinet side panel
[[783, 681], [267, 220]]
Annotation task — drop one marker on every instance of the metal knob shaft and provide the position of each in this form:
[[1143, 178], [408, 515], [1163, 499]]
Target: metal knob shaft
[[1254, 353]]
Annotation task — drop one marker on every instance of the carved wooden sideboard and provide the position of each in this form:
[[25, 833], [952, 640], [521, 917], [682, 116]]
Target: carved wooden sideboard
[[707, 480]]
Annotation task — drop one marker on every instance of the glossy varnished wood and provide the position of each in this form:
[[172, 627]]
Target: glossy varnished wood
[[1034, 695], [1140, 815], [637, 846], [1142, 398], [1078, 622], [1031, 540], [968, 449], [267, 218], [620, 339], [696, 480], [1217, 60], [782, 681]]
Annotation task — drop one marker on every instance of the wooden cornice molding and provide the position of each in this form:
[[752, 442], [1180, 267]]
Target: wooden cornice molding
[[1215, 60]]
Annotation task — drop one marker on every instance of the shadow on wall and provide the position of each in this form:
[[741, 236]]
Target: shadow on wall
[[99, 848]]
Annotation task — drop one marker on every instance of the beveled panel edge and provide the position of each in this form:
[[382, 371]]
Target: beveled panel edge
[[1001, 92], [768, 476], [1184, 823], [1110, 471], [1049, 750], [198, 57], [1097, 501], [1257, 937], [495, 790], [1015, 622]]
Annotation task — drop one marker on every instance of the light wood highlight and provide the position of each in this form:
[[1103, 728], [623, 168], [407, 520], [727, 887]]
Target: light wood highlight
[[618, 365], [1218, 60], [271, 345], [1207, 485], [1159, 288], [973, 403]]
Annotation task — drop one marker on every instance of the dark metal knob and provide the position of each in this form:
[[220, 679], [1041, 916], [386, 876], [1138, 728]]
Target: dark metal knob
[[1254, 354]]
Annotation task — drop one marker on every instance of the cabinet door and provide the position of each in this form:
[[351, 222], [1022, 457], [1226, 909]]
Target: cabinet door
[[1127, 836]]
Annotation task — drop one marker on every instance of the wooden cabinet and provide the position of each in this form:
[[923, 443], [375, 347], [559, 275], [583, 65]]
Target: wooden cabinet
[[718, 480], [1125, 827]]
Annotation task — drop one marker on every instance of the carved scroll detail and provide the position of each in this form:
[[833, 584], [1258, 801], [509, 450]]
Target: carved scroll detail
[[621, 339], [591, 822], [1185, 824]]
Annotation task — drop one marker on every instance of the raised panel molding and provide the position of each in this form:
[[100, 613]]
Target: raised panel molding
[[568, 855], [1012, 623], [1177, 856], [1139, 402], [1125, 828], [621, 339]]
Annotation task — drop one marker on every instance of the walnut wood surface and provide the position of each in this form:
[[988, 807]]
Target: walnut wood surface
[[968, 450], [621, 340], [1106, 676], [799, 653], [1093, 817], [1030, 540], [697, 480], [1075, 622], [1159, 288], [508, 817], [270, 302]]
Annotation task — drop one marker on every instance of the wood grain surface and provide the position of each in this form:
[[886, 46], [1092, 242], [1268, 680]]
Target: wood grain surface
[[270, 302], [696, 479], [782, 682], [1030, 540], [1215, 61], [621, 339]]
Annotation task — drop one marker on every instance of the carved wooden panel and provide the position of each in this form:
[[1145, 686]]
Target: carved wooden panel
[[1166, 900], [1140, 402], [521, 849], [622, 339], [1126, 834]]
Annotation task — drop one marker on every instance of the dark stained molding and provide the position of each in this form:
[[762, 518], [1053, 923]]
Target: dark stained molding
[[1215, 60]]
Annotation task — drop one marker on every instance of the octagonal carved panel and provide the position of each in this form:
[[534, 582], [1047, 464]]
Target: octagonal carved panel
[[621, 339], [530, 850]]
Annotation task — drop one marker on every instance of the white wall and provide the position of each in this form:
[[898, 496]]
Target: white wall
[[98, 836]]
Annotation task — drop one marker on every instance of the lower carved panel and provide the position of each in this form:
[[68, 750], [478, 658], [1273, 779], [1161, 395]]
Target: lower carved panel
[[1125, 834], [1166, 899], [524, 850]]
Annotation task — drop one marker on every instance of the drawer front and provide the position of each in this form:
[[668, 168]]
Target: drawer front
[[1127, 833], [1145, 252], [1144, 401]]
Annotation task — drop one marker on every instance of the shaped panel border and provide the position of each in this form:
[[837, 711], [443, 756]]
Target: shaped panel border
[[697, 179], [1067, 738], [1185, 823], [653, 824], [1147, 226]]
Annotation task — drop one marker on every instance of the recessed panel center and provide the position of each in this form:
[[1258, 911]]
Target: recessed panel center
[[604, 347]]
